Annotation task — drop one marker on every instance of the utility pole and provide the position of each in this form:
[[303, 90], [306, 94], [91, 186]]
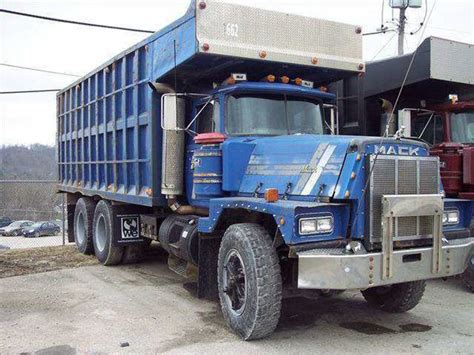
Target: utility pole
[[402, 6], [401, 30]]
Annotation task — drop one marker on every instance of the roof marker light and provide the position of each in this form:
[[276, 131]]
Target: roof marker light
[[305, 83], [234, 77], [269, 78], [284, 79]]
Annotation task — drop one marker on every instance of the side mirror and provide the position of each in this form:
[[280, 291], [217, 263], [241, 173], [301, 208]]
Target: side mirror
[[330, 112], [172, 112]]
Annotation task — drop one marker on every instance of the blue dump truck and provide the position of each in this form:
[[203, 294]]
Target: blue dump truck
[[215, 138]]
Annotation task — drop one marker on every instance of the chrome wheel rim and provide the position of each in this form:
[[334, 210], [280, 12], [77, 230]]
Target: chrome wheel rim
[[234, 282], [80, 229], [101, 233]]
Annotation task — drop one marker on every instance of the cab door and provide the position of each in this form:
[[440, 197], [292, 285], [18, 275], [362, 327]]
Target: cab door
[[208, 120]]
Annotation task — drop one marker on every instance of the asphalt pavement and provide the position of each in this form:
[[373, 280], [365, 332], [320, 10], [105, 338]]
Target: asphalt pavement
[[148, 309]]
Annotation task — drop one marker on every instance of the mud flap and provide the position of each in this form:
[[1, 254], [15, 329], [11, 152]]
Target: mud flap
[[207, 268], [126, 227]]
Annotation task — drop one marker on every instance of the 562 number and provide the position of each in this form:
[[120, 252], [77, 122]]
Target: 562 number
[[231, 29]]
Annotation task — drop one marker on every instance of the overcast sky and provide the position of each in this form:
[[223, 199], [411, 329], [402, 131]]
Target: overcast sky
[[27, 119]]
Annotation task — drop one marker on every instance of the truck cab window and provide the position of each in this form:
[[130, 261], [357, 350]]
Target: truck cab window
[[428, 127], [462, 127], [208, 120], [272, 115]]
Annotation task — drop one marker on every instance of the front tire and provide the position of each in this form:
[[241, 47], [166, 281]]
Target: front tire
[[83, 218], [468, 275], [396, 298], [249, 281], [102, 235]]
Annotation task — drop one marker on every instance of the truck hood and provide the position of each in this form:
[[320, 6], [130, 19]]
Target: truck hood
[[300, 165]]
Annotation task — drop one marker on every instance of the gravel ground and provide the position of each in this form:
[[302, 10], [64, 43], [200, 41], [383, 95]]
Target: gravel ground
[[148, 309], [34, 260]]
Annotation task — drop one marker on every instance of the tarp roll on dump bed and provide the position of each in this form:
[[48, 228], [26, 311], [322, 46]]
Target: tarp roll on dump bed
[[109, 135]]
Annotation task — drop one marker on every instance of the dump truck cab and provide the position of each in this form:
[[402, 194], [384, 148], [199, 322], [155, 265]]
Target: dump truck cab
[[246, 111]]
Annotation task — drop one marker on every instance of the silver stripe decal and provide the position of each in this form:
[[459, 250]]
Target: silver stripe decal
[[318, 171], [312, 164]]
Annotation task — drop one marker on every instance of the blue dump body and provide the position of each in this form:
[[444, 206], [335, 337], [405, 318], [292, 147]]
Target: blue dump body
[[108, 129], [109, 136]]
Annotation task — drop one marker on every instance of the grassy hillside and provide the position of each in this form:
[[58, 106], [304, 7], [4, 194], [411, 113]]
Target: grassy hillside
[[26, 163]]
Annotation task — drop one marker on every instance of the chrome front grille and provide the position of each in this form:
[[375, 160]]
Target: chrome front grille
[[401, 175]]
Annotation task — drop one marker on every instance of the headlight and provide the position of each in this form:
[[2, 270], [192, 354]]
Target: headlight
[[31, 230], [450, 217], [316, 225]]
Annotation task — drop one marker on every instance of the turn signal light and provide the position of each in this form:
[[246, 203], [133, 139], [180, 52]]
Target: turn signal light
[[271, 195]]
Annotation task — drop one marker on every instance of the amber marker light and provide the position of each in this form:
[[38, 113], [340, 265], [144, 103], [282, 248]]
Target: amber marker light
[[298, 81], [269, 78], [271, 195], [230, 80], [284, 79]]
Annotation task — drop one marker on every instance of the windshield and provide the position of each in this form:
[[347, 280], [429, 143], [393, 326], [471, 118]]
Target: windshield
[[462, 127], [15, 224], [272, 115], [37, 224]]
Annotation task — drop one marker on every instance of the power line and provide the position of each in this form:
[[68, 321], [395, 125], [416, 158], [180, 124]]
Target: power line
[[384, 46], [38, 69], [73, 22], [28, 91]]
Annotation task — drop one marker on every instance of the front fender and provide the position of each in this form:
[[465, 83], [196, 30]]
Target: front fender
[[286, 214]]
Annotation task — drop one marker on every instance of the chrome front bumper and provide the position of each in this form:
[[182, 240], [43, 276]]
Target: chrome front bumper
[[340, 270], [332, 269]]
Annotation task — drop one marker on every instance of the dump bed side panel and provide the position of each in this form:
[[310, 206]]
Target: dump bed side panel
[[105, 131], [109, 136]]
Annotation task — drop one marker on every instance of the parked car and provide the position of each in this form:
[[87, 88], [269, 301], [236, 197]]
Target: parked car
[[15, 228], [40, 229], [5, 221]]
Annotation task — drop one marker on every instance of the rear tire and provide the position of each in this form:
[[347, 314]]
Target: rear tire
[[396, 298], [83, 218], [249, 281], [102, 236]]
